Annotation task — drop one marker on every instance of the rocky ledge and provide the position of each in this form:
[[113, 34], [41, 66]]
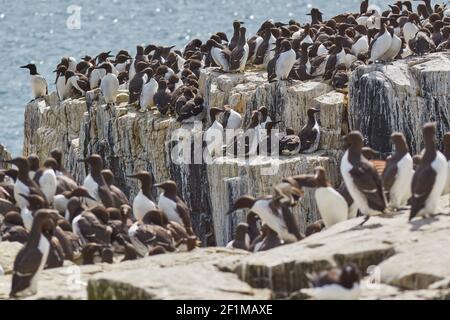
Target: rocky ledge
[[398, 260]]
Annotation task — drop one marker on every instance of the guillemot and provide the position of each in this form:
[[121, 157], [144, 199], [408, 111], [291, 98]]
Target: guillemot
[[332, 205], [118, 196], [430, 177], [95, 183], [310, 133], [39, 85], [398, 173], [31, 259], [109, 85], [239, 55], [144, 200], [362, 179], [173, 206], [46, 179]]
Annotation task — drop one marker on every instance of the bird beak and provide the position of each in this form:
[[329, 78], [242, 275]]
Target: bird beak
[[24, 196], [133, 176], [308, 14]]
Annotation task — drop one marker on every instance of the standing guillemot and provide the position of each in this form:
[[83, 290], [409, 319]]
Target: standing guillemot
[[337, 283], [380, 45], [137, 81], [95, 183], [219, 54], [144, 200], [265, 52], [285, 60], [239, 55], [236, 35], [398, 173], [162, 97], [148, 91], [362, 179], [331, 204], [446, 151], [430, 176], [31, 259], [46, 179], [109, 85], [213, 136], [61, 87], [39, 85], [310, 133], [241, 238], [173, 206], [269, 210], [118, 196], [23, 182]]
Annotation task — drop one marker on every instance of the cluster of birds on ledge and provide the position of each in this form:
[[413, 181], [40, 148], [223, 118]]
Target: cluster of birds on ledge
[[370, 188], [168, 79], [43, 207]]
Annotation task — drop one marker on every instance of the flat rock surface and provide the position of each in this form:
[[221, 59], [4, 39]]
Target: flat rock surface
[[405, 255]]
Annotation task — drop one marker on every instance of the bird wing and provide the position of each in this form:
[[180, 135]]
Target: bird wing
[[422, 184], [26, 265], [6, 206], [93, 230], [185, 215], [389, 174], [369, 182]]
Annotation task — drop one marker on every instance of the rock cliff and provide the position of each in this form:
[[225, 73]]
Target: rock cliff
[[401, 96], [129, 140]]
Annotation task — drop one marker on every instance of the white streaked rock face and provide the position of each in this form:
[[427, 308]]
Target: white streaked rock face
[[401, 96], [129, 141]]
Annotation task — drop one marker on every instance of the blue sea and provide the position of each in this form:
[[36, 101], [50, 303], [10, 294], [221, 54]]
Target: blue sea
[[43, 31]]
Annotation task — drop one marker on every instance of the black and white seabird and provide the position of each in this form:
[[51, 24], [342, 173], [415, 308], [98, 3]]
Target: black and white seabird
[[109, 84], [162, 97], [61, 200], [398, 173], [45, 177], [95, 183], [331, 204], [118, 196], [236, 35], [362, 179], [310, 133], [430, 177], [148, 91], [144, 200], [31, 259], [23, 184], [173, 206], [220, 54], [239, 55], [39, 85], [285, 60], [380, 45], [270, 211]]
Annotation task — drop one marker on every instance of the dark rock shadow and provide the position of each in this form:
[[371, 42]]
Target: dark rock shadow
[[418, 223]]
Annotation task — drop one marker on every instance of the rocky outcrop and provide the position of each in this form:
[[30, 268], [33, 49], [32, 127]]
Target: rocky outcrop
[[8, 252], [4, 155], [397, 257], [401, 96], [129, 141], [193, 275]]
